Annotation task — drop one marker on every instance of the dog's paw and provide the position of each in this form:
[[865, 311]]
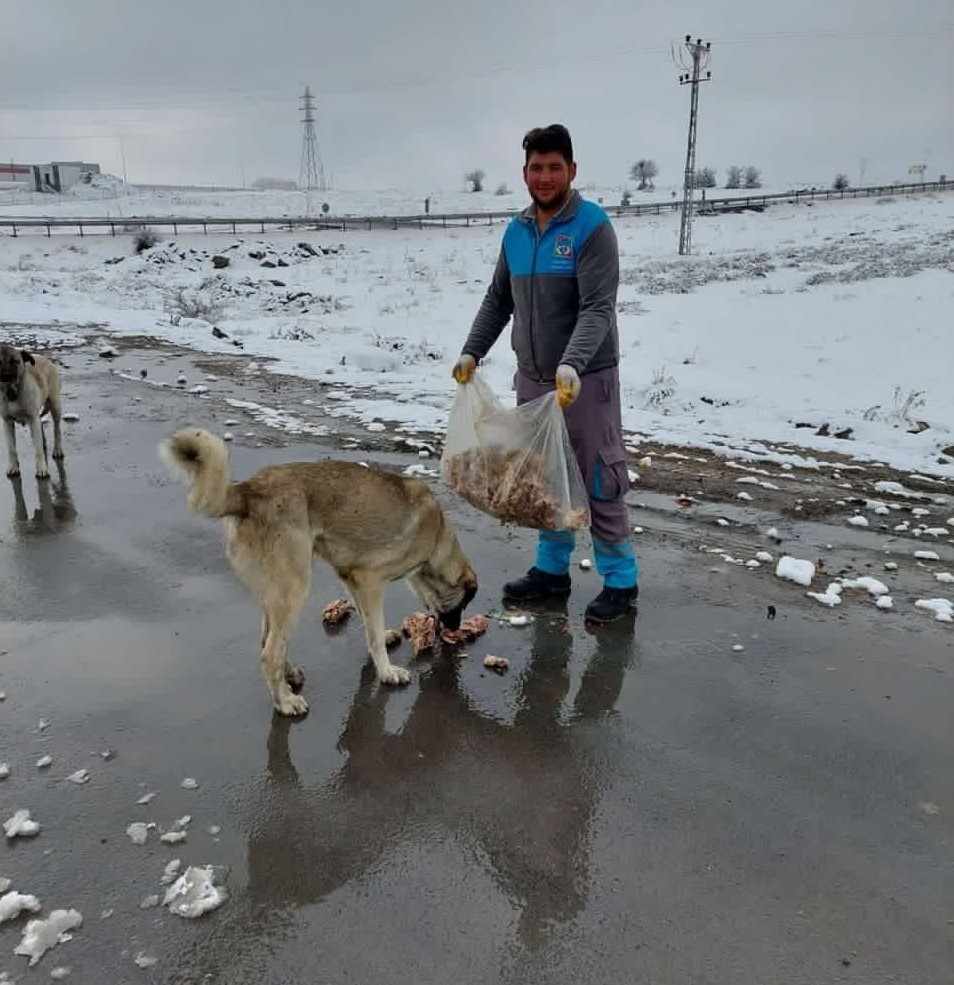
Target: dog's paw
[[292, 705], [395, 675], [294, 677], [58, 454], [42, 473], [13, 473]]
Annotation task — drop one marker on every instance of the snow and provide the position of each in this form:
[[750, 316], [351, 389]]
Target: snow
[[858, 521], [943, 609], [171, 871], [382, 314], [869, 584], [146, 797], [12, 904], [41, 935], [4, 770], [43, 762], [830, 597], [884, 602], [796, 570], [138, 832], [198, 890], [189, 784], [21, 825], [764, 557], [927, 555], [945, 577], [173, 837], [79, 777]]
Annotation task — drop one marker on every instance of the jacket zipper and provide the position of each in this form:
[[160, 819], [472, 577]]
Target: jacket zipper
[[533, 273]]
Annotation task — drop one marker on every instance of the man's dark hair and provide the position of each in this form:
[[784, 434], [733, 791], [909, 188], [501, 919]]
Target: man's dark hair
[[549, 139]]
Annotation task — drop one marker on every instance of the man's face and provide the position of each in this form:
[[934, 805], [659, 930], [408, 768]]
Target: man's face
[[548, 178]]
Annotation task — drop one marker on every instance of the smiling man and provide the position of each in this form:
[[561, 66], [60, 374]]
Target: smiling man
[[557, 275]]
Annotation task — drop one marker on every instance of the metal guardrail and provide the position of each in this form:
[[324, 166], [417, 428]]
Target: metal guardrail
[[708, 206]]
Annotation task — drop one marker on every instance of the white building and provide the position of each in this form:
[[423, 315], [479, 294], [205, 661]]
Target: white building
[[57, 176]]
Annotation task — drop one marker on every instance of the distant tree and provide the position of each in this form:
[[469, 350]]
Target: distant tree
[[475, 179], [753, 177], [704, 178], [502, 189], [643, 171], [841, 182], [733, 177], [627, 198]]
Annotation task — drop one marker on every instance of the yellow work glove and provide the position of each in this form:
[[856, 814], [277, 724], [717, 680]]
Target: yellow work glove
[[567, 385], [464, 368]]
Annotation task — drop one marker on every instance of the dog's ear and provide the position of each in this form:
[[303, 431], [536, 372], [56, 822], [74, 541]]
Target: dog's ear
[[27, 358]]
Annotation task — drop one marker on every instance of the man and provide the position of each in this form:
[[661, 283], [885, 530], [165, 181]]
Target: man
[[557, 274]]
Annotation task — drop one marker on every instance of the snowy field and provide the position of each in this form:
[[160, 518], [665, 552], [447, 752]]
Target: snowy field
[[831, 318]]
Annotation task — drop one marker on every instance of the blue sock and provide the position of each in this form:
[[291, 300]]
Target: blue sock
[[554, 548], [616, 563]]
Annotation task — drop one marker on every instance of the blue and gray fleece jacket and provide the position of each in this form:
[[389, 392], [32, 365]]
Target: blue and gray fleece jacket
[[560, 286]]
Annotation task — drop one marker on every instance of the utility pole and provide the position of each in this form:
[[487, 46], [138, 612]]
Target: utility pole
[[311, 175], [698, 53]]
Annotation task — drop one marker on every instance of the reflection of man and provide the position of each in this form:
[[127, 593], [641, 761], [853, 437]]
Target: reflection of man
[[557, 274], [523, 793]]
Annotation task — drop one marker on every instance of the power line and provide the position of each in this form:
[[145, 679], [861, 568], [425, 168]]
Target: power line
[[311, 175], [699, 55]]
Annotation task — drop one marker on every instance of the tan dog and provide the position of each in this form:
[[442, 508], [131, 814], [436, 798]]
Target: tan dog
[[29, 388], [370, 526]]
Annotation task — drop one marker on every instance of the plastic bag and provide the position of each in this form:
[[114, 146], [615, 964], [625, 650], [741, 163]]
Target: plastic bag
[[515, 463]]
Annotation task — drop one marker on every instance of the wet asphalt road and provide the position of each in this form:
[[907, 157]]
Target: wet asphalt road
[[642, 804]]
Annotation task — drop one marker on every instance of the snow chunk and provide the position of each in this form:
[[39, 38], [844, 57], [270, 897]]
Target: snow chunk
[[927, 555], [858, 521], [890, 565], [870, 585], [80, 776], [796, 570], [21, 824], [13, 904], [198, 890], [43, 762], [171, 872], [173, 837], [189, 784], [41, 935], [943, 609], [896, 489], [146, 797], [884, 602], [144, 960], [4, 770], [138, 833], [945, 577], [60, 972], [830, 597], [764, 557]]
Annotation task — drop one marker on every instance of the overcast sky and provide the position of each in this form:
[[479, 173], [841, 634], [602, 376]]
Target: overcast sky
[[412, 94]]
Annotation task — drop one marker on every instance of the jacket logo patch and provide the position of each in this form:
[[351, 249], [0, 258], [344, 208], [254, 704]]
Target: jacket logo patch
[[564, 246]]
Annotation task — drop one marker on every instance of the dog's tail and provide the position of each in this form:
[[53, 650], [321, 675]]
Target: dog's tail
[[202, 459]]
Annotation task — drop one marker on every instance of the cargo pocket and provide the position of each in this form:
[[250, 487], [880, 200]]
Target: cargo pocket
[[610, 476]]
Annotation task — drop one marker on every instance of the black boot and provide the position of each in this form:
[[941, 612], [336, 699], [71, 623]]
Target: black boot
[[536, 584], [611, 604]]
